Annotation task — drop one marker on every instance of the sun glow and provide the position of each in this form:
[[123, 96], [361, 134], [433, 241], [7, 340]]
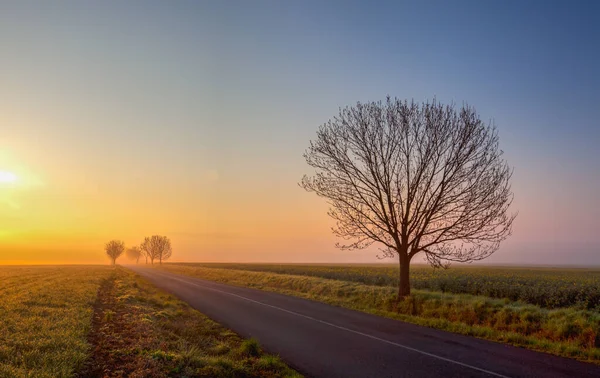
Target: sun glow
[[7, 177]]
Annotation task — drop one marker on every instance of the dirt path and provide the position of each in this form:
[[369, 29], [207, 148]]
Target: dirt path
[[115, 338]]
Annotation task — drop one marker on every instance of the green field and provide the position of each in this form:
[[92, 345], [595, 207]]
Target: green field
[[545, 287], [96, 321], [571, 331]]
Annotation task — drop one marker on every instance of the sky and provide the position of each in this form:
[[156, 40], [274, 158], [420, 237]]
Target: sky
[[189, 119]]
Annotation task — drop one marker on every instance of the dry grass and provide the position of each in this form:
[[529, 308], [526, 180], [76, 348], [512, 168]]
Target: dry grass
[[45, 316], [140, 331], [569, 332], [96, 321]]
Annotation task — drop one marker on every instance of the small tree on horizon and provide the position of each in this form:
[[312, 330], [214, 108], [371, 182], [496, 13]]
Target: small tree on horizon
[[417, 179], [166, 250], [157, 247], [145, 247], [114, 249], [134, 253]]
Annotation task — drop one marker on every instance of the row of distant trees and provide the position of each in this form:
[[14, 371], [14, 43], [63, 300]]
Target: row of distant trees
[[155, 247]]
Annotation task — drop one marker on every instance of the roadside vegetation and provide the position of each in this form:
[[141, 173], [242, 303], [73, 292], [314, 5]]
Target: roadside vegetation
[[100, 321], [45, 316], [140, 331], [545, 287], [571, 331]]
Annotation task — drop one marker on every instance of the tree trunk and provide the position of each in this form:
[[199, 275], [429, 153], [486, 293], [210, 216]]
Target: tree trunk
[[404, 286]]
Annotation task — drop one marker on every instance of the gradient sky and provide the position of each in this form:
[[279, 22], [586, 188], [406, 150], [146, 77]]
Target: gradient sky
[[189, 119]]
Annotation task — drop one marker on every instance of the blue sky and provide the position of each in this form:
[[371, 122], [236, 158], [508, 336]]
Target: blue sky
[[220, 98]]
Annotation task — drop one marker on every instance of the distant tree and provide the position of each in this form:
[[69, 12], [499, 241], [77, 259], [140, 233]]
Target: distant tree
[[134, 253], [414, 178], [144, 253], [146, 250], [157, 247], [166, 251], [114, 249]]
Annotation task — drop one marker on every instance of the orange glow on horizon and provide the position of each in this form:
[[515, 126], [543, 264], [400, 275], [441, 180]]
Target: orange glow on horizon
[[49, 216]]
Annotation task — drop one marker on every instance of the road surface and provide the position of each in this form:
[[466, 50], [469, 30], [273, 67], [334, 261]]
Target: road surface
[[320, 340]]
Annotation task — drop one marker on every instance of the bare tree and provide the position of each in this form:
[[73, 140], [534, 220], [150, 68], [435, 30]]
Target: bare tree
[[147, 250], [143, 252], [134, 253], [166, 251], [415, 179], [114, 249], [157, 247]]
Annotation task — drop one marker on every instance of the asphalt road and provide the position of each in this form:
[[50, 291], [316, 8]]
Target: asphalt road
[[320, 340]]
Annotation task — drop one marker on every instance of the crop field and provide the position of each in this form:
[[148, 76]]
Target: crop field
[[571, 331], [45, 316], [545, 287]]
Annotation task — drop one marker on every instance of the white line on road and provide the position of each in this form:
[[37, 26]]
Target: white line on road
[[333, 325]]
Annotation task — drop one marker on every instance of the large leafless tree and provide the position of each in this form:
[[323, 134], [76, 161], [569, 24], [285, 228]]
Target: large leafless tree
[[114, 249], [414, 178], [157, 247]]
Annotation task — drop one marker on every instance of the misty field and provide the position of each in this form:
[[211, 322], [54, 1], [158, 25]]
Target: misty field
[[45, 316], [570, 331]]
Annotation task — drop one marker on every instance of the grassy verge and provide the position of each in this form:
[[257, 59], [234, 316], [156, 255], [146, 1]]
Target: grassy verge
[[568, 332], [45, 316], [545, 287], [139, 330]]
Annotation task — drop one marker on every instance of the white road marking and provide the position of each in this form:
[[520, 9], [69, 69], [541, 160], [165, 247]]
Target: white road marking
[[333, 325]]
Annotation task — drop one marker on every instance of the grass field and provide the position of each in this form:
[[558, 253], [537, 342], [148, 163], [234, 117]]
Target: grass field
[[94, 321], [545, 287], [45, 316], [570, 331], [141, 331]]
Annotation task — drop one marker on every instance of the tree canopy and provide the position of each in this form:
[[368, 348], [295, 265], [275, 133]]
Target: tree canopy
[[414, 178]]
